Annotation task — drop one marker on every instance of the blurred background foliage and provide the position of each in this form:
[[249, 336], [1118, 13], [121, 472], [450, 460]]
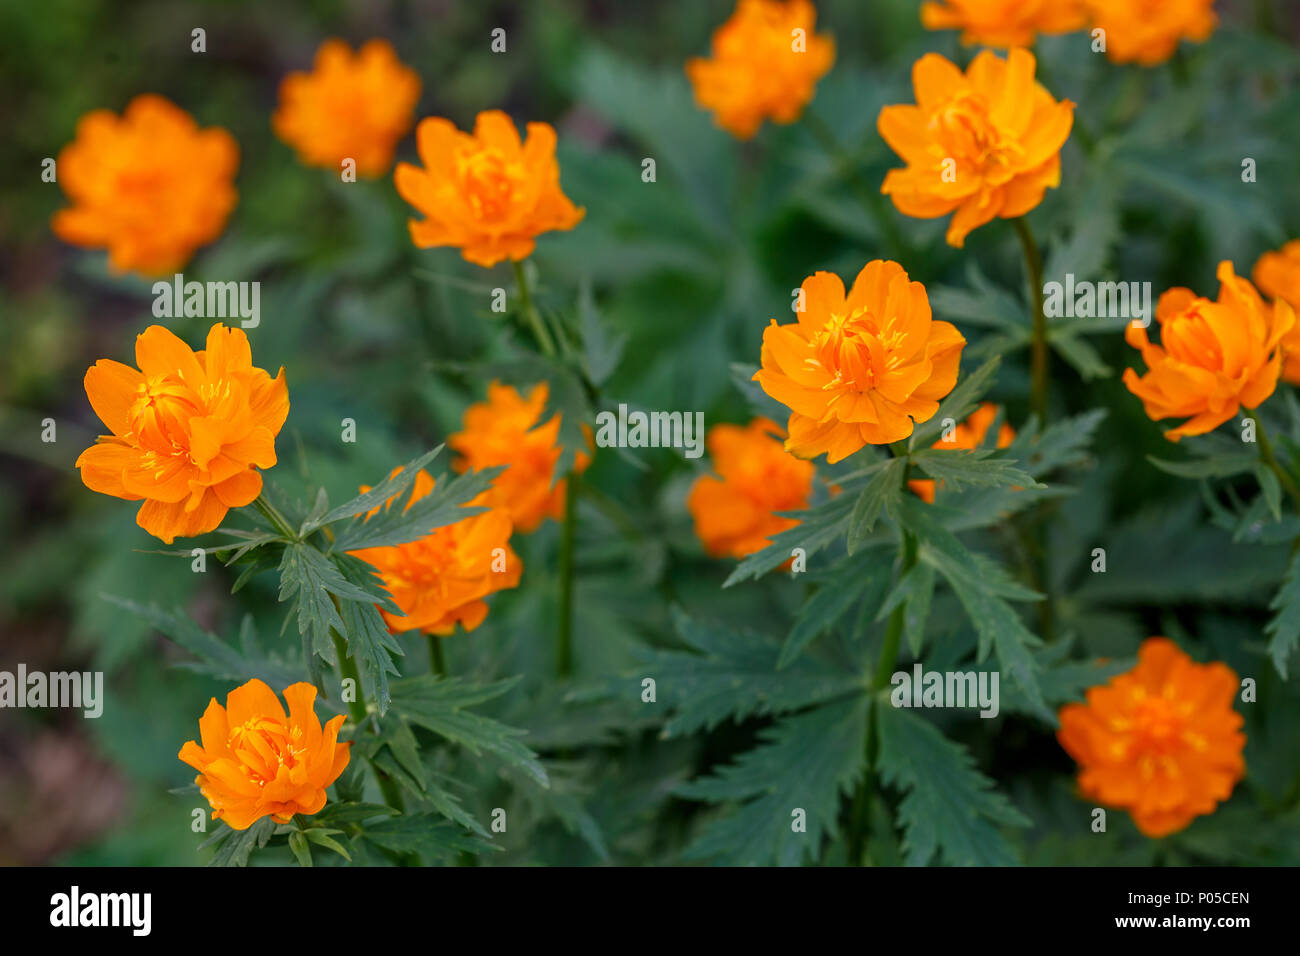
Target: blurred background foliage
[[684, 273]]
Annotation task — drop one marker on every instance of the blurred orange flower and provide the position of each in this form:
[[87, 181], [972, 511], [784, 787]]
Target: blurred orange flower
[[1160, 741], [150, 186], [1149, 33], [350, 106], [986, 143], [1213, 357], [486, 193], [1277, 274], [504, 430], [735, 514], [968, 435], [442, 579], [859, 371], [766, 61], [256, 762], [1002, 23], [188, 429]]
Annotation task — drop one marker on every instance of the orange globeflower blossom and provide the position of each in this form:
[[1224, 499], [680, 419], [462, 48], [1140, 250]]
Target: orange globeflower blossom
[[504, 430], [486, 193], [1160, 741], [150, 186], [1148, 32], [766, 61], [256, 762], [859, 371], [188, 429], [350, 106], [1277, 274], [985, 143], [968, 435], [736, 513], [1002, 23], [1213, 357], [442, 578]]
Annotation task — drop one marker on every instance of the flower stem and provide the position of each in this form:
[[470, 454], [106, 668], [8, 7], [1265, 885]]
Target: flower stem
[[885, 665], [1267, 456], [1038, 344], [272, 514], [564, 628], [358, 711], [544, 340], [436, 662]]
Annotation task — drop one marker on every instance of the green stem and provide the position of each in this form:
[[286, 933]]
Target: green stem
[[564, 628], [544, 341], [358, 710], [885, 665], [1038, 354], [1267, 456], [272, 514], [436, 662]]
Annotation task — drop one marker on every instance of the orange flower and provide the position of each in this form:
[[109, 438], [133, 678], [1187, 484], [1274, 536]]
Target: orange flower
[[188, 429], [1161, 741], [968, 435], [350, 106], [1213, 357], [766, 61], [986, 143], [1002, 23], [736, 513], [859, 371], [504, 430], [487, 193], [151, 187], [256, 762], [442, 578], [1148, 33], [1277, 274]]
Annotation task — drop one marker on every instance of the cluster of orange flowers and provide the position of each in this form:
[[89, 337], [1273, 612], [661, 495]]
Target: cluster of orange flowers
[[189, 430], [1135, 30], [152, 187]]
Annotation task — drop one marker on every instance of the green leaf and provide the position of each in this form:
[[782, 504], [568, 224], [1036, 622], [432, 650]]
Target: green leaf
[[961, 401], [1271, 488], [844, 585], [426, 835], [1284, 628], [352, 812], [396, 483], [882, 493], [1222, 466], [216, 657], [405, 520], [804, 763], [370, 643], [914, 591], [981, 586], [958, 467], [298, 844], [733, 674], [601, 350], [438, 705], [234, 846], [948, 807], [321, 837]]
